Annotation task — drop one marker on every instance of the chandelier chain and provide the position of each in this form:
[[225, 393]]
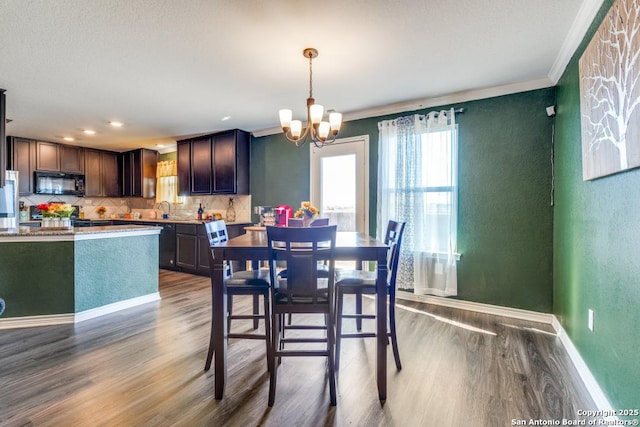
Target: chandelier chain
[[310, 75]]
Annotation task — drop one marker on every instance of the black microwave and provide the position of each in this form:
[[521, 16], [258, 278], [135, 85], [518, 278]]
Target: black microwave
[[59, 183]]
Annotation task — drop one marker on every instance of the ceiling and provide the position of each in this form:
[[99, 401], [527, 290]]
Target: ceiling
[[169, 69]]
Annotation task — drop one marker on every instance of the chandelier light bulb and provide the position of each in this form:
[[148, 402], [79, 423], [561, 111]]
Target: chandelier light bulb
[[336, 121], [315, 113], [296, 129], [323, 130], [285, 119]]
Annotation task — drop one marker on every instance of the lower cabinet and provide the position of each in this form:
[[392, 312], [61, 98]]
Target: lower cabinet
[[192, 247]]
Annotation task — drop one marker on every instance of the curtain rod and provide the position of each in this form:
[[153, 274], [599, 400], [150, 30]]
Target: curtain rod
[[457, 111]]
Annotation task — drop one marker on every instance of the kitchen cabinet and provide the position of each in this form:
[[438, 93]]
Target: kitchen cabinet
[[4, 160], [192, 247], [47, 156], [201, 166], [101, 173], [139, 173], [184, 167], [186, 246], [22, 158], [214, 164], [71, 159]]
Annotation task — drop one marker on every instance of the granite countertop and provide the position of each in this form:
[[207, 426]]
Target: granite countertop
[[175, 221], [79, 231]]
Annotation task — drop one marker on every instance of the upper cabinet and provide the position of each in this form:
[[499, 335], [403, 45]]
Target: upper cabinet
[[22, 158], [54, 157], [3, 148], [214, 164], [101, 177], [139, 173], [72, 159]]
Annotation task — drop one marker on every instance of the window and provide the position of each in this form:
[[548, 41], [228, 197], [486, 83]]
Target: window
[[417, 183]]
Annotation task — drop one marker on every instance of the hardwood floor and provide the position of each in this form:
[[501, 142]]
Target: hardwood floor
[[144, 367]]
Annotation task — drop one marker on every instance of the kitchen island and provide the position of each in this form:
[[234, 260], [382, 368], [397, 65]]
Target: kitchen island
[[52, 276]]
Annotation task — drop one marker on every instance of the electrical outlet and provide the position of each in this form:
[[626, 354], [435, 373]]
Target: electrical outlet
[[591, 319]]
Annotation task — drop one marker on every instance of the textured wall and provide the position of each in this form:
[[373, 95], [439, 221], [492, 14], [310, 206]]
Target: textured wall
[[505, 180], [596, 247], [112, 270]]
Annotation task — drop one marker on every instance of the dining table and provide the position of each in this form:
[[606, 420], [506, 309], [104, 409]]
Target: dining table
[[253, 247]]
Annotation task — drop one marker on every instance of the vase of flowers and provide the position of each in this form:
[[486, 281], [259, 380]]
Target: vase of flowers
[[101, 210], [56, 215], [307, 212]]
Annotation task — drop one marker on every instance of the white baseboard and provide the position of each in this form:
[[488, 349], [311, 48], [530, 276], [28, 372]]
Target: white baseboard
[[116, 306], [596, 393], [517, 313], [61, 319], [601, 401]]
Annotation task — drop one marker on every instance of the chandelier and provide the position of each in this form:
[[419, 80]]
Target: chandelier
[[320, 132]]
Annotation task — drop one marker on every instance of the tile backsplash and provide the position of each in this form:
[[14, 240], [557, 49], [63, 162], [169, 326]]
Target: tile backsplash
[[148, 207]]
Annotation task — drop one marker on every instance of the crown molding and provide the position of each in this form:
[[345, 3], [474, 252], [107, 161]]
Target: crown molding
[[587, 12], [419, 104]]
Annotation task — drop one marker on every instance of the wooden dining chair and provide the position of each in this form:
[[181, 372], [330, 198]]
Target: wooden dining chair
[[358, 283], [302, 291], [253, 283]]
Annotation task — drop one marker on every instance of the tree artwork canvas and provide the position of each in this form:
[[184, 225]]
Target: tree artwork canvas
[[610, 94]]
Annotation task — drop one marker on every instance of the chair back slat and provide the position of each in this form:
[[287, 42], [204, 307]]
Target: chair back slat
[[216, 232], [301, 249], [393, 239]]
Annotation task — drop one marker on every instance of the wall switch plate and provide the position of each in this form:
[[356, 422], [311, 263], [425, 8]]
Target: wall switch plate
[[591, 319]]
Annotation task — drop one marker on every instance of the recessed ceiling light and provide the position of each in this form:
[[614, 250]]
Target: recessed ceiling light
[[89, 132], [68, 138], [116, 124], [160, 145], [225, 118]]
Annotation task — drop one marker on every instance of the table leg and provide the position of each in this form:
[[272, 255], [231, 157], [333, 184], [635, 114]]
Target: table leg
[[219, 310], [381, 317]]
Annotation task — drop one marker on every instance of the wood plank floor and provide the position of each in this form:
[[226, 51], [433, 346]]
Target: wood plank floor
[[144, 367]]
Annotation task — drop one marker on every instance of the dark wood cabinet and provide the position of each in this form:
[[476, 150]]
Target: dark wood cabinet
[[201, 166], [4, 155], [214, 164], [47, 156], [139, 173], [186, 246], [101, 173], [192, 247], [71, 159], [22, 158], [184, 167]]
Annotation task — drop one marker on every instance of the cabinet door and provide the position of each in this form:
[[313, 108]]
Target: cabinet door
[[186, 251], [201, 166], [203, 253], [93, 173], [110, 181], [71, 159], [127, 176], [23, 159], [47, 156], [146, 170], [184, 167], [224, 163]]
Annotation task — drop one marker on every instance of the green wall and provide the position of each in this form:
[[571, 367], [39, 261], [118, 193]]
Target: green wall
[[505, 217], [596, 247]]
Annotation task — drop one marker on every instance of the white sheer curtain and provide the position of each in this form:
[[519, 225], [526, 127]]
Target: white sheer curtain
[[167, 185], [418, 183]]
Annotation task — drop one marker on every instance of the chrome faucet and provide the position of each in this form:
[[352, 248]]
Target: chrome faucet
[[168, 214]]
